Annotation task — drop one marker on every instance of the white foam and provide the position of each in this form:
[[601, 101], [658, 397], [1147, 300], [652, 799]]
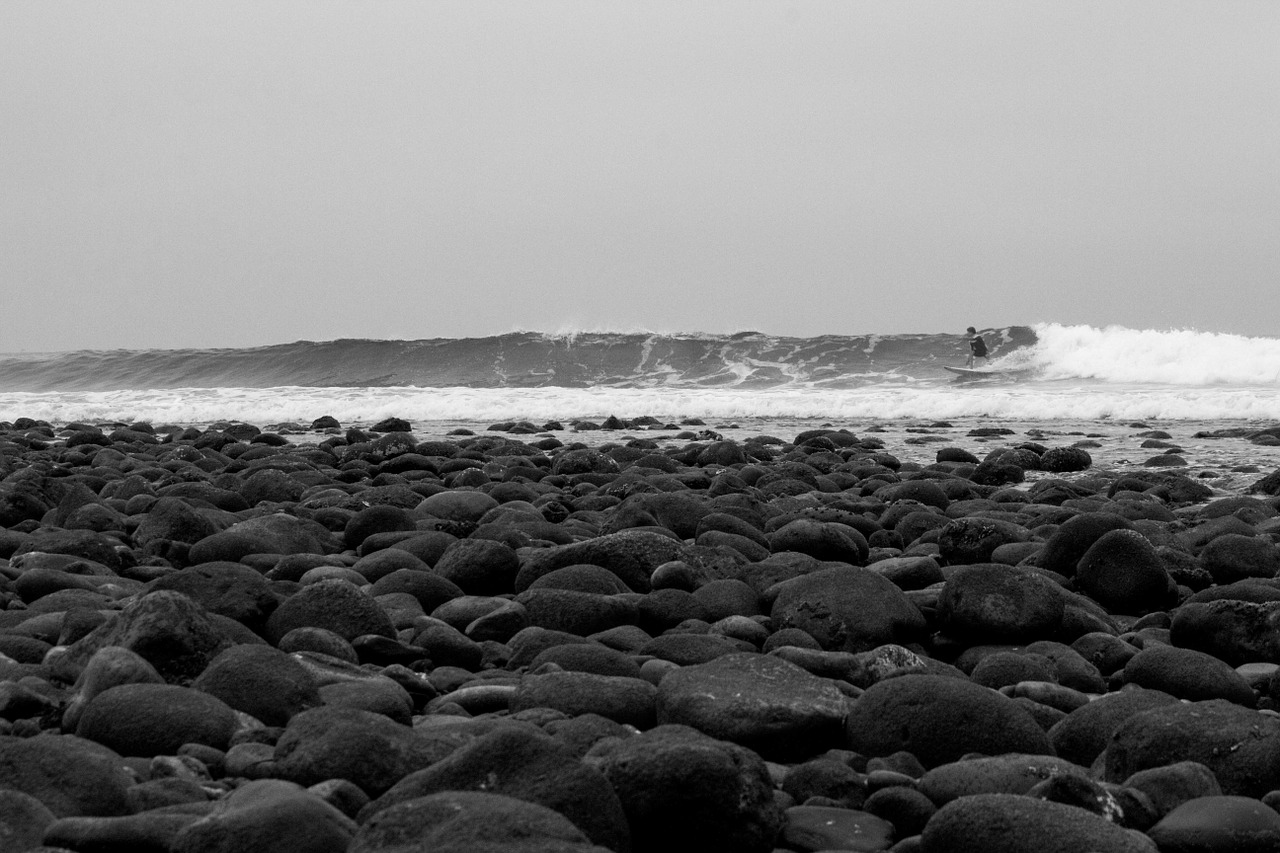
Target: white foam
[[1015, 401], [1173, 357]]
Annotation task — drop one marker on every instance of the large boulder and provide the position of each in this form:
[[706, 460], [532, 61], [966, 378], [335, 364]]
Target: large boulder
[[517, 761], [685, 792], [1011, 823], [1123, 572], [764, 703], [167, 629], [470, 822], [368, 749], [848, 609], [995, 603], [156, 719], [1241, 746], [940, 718], [266, 816], [71, 776], [261, 681], [632, 555], [335, 605]]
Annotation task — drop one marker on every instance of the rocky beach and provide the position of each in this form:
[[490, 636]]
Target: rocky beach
[[631, 635]]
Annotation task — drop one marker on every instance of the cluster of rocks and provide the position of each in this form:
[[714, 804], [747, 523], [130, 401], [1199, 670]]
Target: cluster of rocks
[[217, 640]]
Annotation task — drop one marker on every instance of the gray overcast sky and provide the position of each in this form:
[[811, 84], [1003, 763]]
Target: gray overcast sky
[[236, 173]]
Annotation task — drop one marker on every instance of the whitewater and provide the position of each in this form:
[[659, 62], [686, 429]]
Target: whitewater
[[1063, 373]]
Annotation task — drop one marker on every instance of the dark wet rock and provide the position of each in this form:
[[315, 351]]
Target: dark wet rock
[[1187, 674], [156, 719], [369, 749], [662, 609], [631, 555], [86, 544], [143, 832], [227, 589], [1011, 773], [623, 699], [995, 603], [1123, 572], [585, 578], [973, 540], [263, 682], [828, 828], [939, 719], [1074, 537], [270, 534], [70, 776], [479, 566], [428, 588], [1232, 630], [828, 778], [174, 520], [1172, 785], [23, 820], [1240, 746], [1234, 556], [994, 823], [822, 540], [336, 605], [765, 703], [1064, 459], [685, 792], [586, 657], [1085, 732], [1219, 823], [848, 609], [377, 519], [529, 766], [465, 821], [580, 613], [167, 629], [688, 649], [1007, 668], [260, 815]]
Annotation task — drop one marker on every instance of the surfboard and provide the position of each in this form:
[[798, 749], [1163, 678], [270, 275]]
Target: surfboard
[[977, 373], [972, 371]]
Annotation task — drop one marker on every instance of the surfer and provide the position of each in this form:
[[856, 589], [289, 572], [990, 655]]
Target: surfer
[[977, 346]]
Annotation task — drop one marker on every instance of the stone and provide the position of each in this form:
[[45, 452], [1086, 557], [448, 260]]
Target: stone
[[23, 820], [1123, 572], [261, 681], [1239, 745], [1234, 556], [1011, 773], [1083, 735], [1010, 823], [467, 821], [167, 629], [1074, 537], [1172, 785], [1219, 823], [69, 775], [939, 719], [266, 816], [479, 566], [368, 749], [525, 764], [761, 702], [685, 792], [623, 699], [1231, 630], [1187, 674], [156, 719], [336, 605], [823, 540], [228, 589], [848, 609], [814, 828], [994, 603]]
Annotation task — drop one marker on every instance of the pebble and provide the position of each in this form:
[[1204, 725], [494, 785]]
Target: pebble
[[214, 639]]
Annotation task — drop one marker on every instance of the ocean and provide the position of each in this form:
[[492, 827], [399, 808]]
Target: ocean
[[1062, 373]]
